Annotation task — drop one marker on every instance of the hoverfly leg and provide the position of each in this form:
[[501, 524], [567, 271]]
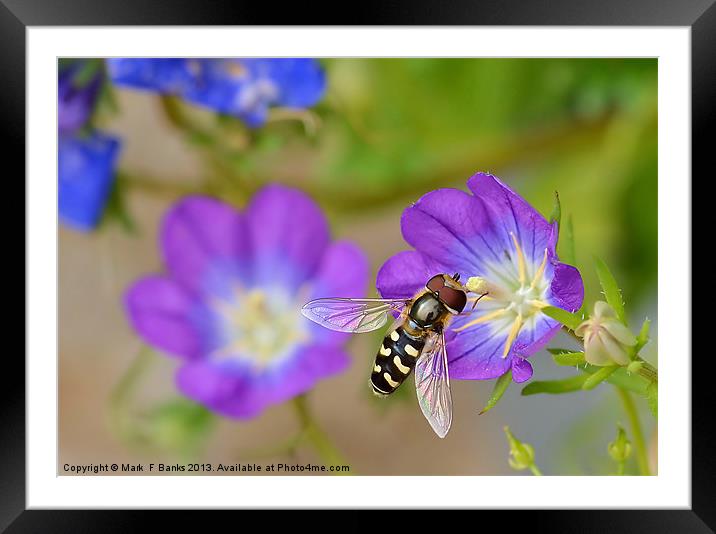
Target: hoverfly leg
[[477, 300]]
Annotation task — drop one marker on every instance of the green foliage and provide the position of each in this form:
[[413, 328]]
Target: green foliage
[[179, 426], [116, 209], [566, 242], [567, 357], [652, 397], [570, 320], [522, 455], [598, 377], [555, 387], [643, 338], [610, 288], [556, 215], [501, 385]]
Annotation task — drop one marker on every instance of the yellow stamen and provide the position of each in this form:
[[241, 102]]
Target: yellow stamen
[[483, 319], [538, 303], [513, 335], [540, 271], [520, 260]]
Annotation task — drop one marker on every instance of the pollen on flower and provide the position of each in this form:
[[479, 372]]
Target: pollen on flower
[[259, 325], [477, 284], [517, 293]]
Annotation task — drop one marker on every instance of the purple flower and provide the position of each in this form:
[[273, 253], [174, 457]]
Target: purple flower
[[75, 101], [243, 87], [229, 305], [507, 248]]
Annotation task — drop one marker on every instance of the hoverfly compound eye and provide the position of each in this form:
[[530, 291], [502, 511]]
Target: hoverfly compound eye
[[436, 283], [449, 292], [453, 299]]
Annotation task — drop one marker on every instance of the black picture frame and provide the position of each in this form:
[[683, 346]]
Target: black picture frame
[[699, 15]]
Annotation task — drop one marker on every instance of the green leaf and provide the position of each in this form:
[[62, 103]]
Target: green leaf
[[501, 385], [569, 359], [600, 376], [611, 290], [570, 320], [566, 241], [179, 425], [116, 208], [652, 398], [87, 72], [623, 379], [555, 387], [556, 350], [556, 215], [643, 337]]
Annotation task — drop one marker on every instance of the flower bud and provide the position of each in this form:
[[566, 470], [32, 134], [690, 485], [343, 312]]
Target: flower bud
[[522, 455], [606, 339], [620, 448]]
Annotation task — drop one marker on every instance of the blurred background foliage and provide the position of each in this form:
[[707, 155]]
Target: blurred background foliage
[[390, 130]]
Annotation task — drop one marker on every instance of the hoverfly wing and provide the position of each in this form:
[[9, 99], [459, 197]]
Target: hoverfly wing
[[432, 385], [351, 315]]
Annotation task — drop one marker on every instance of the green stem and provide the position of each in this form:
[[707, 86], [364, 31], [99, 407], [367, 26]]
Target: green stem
[[620, 468], [535, 470], [639, 443], [122, 392], [315, 435], [647, 370]]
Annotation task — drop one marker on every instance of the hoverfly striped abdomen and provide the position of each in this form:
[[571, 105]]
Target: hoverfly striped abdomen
[[395, 360]]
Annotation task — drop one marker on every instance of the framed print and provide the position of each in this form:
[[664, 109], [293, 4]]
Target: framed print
[[448, 263]]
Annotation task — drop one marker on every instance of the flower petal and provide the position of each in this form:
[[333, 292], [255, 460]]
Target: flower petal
[[521, 370], [515, 215], [160, 311], [343, 272], [237, 390], [201, 236], [223, 388], [300, 372], [404, 274], [476, 354], [166, 75], [289, 235], [451, 226], [85, 177], [301, 81], [567, 288]]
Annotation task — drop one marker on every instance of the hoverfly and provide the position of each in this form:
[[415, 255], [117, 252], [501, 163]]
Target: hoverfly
[[415, 341]]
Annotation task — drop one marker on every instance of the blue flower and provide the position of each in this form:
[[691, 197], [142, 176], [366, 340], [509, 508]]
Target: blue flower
[[165, 75], [85, 159], [86, 173], [242, 87]]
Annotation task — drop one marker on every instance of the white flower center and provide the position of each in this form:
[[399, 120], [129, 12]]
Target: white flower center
[[515, 293], [260, 325]]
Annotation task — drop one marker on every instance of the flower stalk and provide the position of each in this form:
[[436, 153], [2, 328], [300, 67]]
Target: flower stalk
[[642, 457], [314, 434]]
